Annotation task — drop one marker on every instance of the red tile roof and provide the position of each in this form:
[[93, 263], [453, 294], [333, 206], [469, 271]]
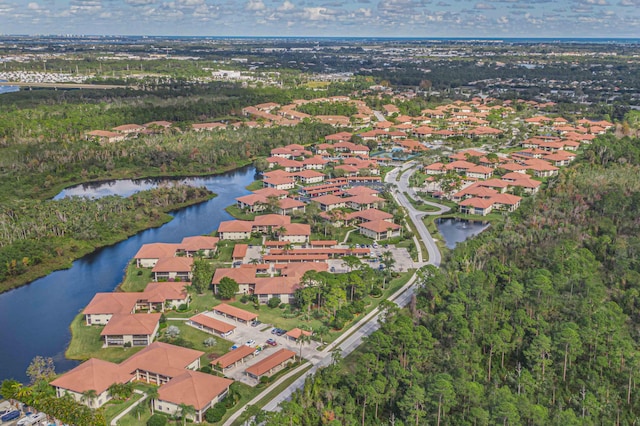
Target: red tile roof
[[235, 312], [271, 362], [234, 356], [94, 374], [193, 388], [173, 264], [212, 323], [129, 324]]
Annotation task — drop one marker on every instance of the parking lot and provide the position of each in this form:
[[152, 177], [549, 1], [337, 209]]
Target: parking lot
[[245, 333], [403, 261]]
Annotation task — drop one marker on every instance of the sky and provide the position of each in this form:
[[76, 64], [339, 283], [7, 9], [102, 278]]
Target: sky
[[331, 18]]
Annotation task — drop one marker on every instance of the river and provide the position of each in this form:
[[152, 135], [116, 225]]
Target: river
[[455, 231], [35, 319]]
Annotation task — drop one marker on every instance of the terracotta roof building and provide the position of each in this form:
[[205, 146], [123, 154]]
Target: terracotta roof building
[[199, 390]]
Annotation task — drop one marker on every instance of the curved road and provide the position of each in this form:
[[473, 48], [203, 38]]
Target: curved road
[[349, 341], [416, 215]]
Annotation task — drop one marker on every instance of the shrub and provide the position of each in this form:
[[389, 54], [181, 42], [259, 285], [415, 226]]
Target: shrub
[[157, 420], [209, 342], [172, 331], [274, 302], [206, 369], [245, 298], [215, 413], [283, 305], [376, 292], [182, 307]]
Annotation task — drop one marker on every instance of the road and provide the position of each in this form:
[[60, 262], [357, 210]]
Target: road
[[416, 215], [353, 338]]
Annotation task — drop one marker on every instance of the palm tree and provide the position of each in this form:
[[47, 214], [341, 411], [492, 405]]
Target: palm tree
[[152, 394], [138, 410], [302, 340], [185, 411], [89, 396]]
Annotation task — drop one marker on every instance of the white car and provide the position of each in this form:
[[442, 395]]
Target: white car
[[32, 419], [250, 342]]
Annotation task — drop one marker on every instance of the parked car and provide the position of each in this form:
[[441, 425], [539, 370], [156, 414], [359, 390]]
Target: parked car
[[280, 332], [11, 415], [32, 419], [250, 343], [234, 347], [255, 323], [272, 342]]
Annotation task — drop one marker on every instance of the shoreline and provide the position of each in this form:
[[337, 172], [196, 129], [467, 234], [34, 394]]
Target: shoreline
[[50, 267]]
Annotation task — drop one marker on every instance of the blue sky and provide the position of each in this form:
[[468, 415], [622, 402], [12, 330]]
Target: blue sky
[[383, 18]]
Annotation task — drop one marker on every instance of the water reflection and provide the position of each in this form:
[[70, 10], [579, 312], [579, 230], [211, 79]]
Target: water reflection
[[455, 231]]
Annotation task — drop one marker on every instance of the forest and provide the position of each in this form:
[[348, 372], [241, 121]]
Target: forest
[[533, 322], [43, 150], [37, 237]]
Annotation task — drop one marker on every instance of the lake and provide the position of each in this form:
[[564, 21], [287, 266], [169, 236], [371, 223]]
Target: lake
[[455, 231], [35, 319]]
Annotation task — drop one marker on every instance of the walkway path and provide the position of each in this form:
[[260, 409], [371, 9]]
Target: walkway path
[[114, 422]]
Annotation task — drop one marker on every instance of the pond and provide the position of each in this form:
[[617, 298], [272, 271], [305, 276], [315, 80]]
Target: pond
[[35, 319], [455, 230]]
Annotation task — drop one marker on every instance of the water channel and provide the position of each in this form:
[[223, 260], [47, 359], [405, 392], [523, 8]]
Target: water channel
[[35, 319], [455, 231]]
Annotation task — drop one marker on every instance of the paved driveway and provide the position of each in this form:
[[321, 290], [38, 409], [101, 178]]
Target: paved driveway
[[243, 333]]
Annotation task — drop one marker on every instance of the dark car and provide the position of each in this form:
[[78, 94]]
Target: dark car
[[11, 415], [280, 332]]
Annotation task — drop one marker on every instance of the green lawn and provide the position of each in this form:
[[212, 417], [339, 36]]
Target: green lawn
[[274, 316], [113, 408], [357, 238], [86, 343], [135, 279], [240, 214], [418, 204], [197, 338], [255, 185]]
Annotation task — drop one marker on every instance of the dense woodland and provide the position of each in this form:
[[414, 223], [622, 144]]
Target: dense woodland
[[39, 236], [533, 322]]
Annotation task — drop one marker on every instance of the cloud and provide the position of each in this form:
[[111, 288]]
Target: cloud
[[286, 6], [318, 14], [85, 6], [33, 6], [484, 6], [255, 5], [140, 2], [629, 3]]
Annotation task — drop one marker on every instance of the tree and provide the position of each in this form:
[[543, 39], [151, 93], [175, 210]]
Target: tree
[[152, 394], [202, 274], [157, 420], [137, 410], [41, 368], [186, 411], [172, 331], [228, 288], [303, 339], [89, 396], [274, 302]]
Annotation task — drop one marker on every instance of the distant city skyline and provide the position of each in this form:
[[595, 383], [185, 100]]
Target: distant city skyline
[[334, 18]]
